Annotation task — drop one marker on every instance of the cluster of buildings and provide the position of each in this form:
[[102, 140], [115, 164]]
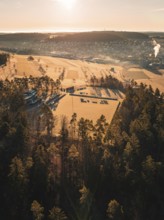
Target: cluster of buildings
[[32, 100]]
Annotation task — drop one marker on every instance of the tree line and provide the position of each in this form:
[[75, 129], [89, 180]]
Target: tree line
[[107, 82]]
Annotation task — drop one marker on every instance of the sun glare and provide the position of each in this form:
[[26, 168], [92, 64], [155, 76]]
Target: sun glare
[[69, 4]]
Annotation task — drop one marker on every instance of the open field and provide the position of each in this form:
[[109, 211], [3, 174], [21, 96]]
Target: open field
[[88, 102], [91, 109], [146, 77], [136, 74], [25, 68], [77, 72], [72, 74]]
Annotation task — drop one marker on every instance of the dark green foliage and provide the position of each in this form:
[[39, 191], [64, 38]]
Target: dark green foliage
[[57, 214], [30, 58], [92, 171], [107, 82], [114, 210], [136, 135], [37, 210], [3, 58]]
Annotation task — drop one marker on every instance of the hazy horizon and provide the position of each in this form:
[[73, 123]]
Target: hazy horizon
[[75, 31], [80, 15]]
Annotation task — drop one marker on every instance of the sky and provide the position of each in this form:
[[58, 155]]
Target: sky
[[81, 15]]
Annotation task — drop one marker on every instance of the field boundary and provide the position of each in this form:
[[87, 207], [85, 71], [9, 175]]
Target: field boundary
[[94, 97]]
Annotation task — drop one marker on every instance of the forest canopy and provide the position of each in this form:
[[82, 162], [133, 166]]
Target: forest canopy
[[111, 171]]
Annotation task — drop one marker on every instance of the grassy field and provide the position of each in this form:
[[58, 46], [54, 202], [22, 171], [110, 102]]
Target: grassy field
[[144, 76], [78, 73], [78, 70], [136, 74], [26, 68], [89, 103], [91, 109]]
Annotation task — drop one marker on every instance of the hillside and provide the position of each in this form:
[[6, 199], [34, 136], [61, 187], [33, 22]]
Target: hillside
[[99, 36], [83, 36], [23, 37]]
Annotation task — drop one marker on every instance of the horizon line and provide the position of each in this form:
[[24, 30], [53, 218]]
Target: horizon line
[[74, 31]]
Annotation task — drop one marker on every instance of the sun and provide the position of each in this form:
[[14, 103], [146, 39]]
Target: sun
[[69, 4]]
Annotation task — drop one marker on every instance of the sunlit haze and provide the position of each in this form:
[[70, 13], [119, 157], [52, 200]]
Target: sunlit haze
[[79, 15]]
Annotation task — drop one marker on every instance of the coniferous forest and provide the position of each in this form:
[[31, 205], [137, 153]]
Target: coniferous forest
[[4, 58], [98, 172]]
